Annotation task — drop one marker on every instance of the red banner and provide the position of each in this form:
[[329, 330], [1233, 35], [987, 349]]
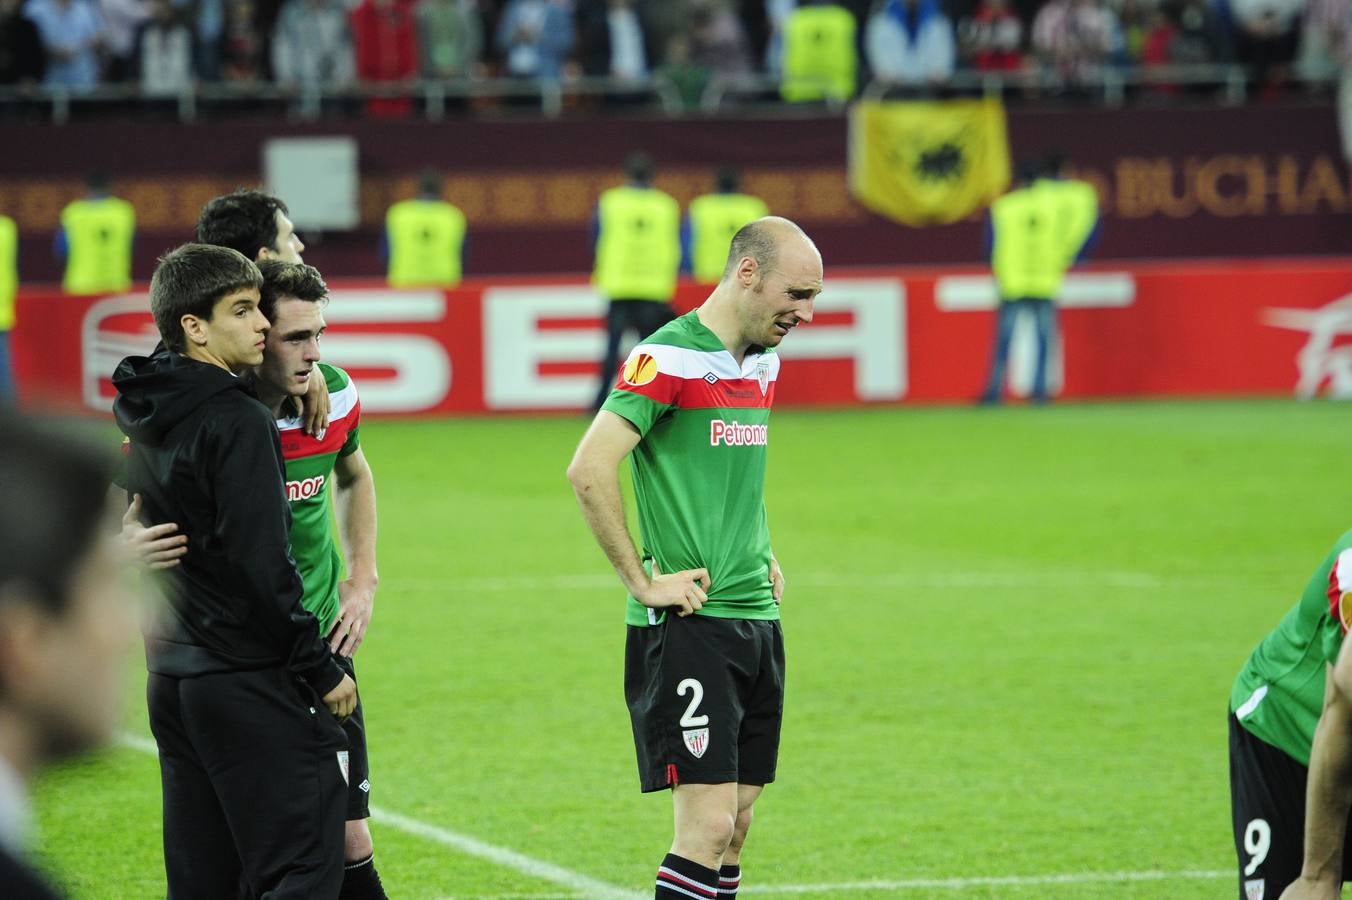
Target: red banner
[[878, 336]]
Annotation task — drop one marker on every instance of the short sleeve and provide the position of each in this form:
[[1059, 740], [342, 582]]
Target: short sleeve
[[647, 386]]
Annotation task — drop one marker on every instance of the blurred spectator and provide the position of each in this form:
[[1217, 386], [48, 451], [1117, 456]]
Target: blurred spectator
[[71, 35], [311, 46], [535, 37], [241, 46], [1267, 35], [1199, 36], [164, 50], [1158, 39], [1074, 37], [991, 39], [21, 56], [1330, 23], [717, 39], [689, 77], [206, 22], [821, 59], [386, 51], [451, 38], [122, 21], [1136, 19], [910, 42], [615, 40], [777, 14]]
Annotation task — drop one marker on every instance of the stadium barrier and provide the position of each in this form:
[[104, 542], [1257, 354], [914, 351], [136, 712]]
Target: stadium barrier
[[878, 336]]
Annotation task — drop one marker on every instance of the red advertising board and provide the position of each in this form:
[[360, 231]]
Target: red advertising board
[[878, 336]]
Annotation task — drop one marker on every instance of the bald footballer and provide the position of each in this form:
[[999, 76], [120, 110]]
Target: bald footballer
[[704, 661]]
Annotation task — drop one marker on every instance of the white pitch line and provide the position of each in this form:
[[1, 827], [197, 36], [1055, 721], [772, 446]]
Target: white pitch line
[[575, 882], [957, 884]]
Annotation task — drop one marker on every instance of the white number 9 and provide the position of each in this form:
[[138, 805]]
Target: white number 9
[[1257, 843]]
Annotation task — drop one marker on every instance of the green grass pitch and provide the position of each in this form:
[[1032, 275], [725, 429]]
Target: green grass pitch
[[1011, 635]]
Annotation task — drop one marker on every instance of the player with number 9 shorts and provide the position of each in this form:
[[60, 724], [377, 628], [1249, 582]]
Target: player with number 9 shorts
[[1275, 705]]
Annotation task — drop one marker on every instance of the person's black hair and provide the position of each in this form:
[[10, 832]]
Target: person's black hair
[[728, 180], [189, 280], [284, 279], [639, 168], [245, 221]]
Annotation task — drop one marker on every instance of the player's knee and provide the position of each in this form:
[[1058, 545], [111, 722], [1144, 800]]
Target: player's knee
[[357, 841], [739, 830], [707, 836]]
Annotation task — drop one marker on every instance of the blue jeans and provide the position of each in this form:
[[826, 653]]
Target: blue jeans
[[1044, 318], [7, 397]]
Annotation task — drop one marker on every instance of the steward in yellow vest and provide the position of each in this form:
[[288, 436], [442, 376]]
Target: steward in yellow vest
[[820, 56], [426, 238], [9, 286], [714, 219], [96, 240], [638, 257], [1037, 232]]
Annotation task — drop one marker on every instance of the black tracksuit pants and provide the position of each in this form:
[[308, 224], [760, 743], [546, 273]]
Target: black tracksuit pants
[[251, 765]]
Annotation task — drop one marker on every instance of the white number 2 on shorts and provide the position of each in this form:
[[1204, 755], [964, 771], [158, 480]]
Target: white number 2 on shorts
[[1257, 843], [690, 720]]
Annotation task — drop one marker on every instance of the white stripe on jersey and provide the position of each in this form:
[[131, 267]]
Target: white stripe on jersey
[[340, 405], [683, 362], [1342, 571], [1246, 709]]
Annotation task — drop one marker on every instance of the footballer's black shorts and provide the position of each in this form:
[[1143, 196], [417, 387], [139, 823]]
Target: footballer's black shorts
[[1267, 806], [358, 763], [706, 698]]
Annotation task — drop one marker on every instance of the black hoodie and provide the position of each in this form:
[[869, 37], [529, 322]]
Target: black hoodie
[[205, 455]]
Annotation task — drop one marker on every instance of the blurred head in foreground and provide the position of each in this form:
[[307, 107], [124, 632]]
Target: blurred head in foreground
[[67, 616]]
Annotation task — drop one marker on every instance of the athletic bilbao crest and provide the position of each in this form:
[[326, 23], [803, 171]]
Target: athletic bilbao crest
[[1255, 888], [696, 741], [342, 764], [763, 376]]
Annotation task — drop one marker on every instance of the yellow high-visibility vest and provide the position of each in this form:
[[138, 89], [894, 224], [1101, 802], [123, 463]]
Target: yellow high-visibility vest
[[427, 238], [638, 253], [1077, 211], [1029, 258], [714, 219], [820, 58], [9, 271], [98, 245]]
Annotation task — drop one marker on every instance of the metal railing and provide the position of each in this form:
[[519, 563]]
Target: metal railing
[[434, 97]]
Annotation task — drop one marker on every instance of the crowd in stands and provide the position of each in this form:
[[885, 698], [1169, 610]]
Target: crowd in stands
[[165, 45]]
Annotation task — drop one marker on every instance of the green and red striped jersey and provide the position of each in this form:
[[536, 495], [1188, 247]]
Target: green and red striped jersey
[[699, 468], [1279, 694], [309, 470]]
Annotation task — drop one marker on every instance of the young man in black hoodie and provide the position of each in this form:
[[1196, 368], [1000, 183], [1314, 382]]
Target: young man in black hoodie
[[244, 696]]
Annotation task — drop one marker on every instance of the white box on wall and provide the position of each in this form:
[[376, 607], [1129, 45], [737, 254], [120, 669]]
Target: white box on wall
[[317, 178]]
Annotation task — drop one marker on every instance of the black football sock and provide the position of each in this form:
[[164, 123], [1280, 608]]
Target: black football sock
[[679, 877], [729, 879], [360, 881]]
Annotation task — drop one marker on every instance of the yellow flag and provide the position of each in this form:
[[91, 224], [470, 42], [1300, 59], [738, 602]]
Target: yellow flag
[[928, 162]]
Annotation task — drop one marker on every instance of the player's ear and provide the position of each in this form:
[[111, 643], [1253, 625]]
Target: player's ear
[[194, 329]]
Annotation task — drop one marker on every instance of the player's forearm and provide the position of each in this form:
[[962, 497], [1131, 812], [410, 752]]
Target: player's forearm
[[356, 511], [598, 493], [1328, 792]]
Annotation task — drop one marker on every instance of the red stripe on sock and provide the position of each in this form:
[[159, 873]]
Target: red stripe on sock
[[679, 879]]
